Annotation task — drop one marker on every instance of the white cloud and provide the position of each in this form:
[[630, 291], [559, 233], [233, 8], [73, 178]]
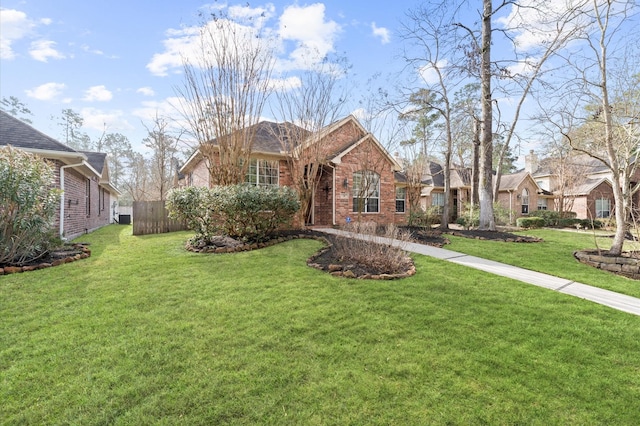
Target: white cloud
[[179, 45], [46, 92], [429, 74], [288, 83], [313, 35], [305, 27], [42, 50], [252, 16], [167, 108], [15, 26], [97, 94], [383, 33], [533, 24], [97, 119], [146, 91]]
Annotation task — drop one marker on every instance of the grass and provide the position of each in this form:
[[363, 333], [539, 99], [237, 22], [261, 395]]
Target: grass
[[144, 332], [553, 256]]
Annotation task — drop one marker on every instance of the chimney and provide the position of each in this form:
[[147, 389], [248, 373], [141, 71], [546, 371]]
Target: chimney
[[531, 162]]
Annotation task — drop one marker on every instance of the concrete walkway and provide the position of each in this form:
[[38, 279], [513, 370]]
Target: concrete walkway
[[614, 300]]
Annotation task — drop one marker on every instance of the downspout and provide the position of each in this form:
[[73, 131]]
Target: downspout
[[333, 219], [511, 222], [61, 233]]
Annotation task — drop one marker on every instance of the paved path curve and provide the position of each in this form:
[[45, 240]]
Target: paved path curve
[[614, 300]]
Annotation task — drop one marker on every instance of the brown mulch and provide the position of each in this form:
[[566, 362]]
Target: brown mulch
[[67, 254], [494, 236]]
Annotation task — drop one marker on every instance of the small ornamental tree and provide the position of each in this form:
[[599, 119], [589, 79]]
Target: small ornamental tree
[[28, 202]]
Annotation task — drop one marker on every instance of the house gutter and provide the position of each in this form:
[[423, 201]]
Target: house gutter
[[62, 168]]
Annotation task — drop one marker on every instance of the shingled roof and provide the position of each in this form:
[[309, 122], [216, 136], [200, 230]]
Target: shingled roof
[[96, 160], [19, 134]]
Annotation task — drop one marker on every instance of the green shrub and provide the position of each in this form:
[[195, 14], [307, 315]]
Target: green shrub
[[425, 218], [246, 212], [28, 202], [590, 224], [195, 206], [470, 216], [551, 218], [252, 212], [502, 215], [530, 222], [569, 222]]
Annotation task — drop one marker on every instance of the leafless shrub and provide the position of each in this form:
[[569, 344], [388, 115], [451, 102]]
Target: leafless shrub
[[373, 249]]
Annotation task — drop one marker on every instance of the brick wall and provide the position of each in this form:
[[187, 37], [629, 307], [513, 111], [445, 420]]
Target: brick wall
[[365, 157]]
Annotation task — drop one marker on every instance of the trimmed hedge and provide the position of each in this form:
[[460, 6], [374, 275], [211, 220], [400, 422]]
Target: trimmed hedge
[[530, 222], [246, 212]]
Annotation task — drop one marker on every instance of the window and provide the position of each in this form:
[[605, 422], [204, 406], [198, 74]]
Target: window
[[401, 194], [262, 173], [87, 198], [366, 192], [542, 203], [437, 200], [525, 201], [603, 208]]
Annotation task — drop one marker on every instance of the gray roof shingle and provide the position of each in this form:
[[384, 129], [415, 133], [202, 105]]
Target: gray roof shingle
[[21, 135]]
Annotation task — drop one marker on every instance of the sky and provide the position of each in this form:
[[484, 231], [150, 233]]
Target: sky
[[117, 62]]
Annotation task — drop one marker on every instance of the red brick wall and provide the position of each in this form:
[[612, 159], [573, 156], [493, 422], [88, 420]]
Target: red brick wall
[[76, 220], [365, 157]]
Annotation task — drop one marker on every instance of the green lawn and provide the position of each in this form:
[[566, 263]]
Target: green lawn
[[553, 256], [144, 332]]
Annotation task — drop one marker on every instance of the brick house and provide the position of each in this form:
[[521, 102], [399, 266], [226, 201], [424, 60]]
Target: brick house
[[358, 178], [88, 195], [582, 183]]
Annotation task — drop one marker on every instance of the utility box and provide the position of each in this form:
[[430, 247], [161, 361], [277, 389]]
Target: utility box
[[124, 219]]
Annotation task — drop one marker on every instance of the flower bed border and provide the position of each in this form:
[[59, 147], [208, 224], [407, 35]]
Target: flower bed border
[[85, 253], [624, 264]]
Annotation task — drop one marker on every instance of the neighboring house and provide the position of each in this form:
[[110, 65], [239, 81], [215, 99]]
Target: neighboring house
[[350, 157], [582, 184], [520, 194], [83, 177], [433, 188]]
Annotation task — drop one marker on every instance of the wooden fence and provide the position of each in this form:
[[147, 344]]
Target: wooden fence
[[152, 217]]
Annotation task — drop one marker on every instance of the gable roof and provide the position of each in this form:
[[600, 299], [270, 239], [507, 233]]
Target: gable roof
[[268, 138], [96, 160], [337, 157], [588, 185], [584, 162], [21, 135], [513, 180]]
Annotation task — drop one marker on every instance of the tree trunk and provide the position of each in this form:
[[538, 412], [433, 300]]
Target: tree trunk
[[475, 170], [487, 221]]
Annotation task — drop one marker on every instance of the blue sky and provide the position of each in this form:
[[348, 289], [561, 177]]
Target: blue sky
[[115, 62], [118, 62]]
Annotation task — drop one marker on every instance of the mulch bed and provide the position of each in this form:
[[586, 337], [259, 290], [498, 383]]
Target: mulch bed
[[494, 236], [67, 254], [435, 237]]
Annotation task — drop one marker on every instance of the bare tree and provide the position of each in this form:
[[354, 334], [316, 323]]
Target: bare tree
[[164, 151], [225, 89], [309, 103], [439, 64], [598, 108], [137, 183]]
